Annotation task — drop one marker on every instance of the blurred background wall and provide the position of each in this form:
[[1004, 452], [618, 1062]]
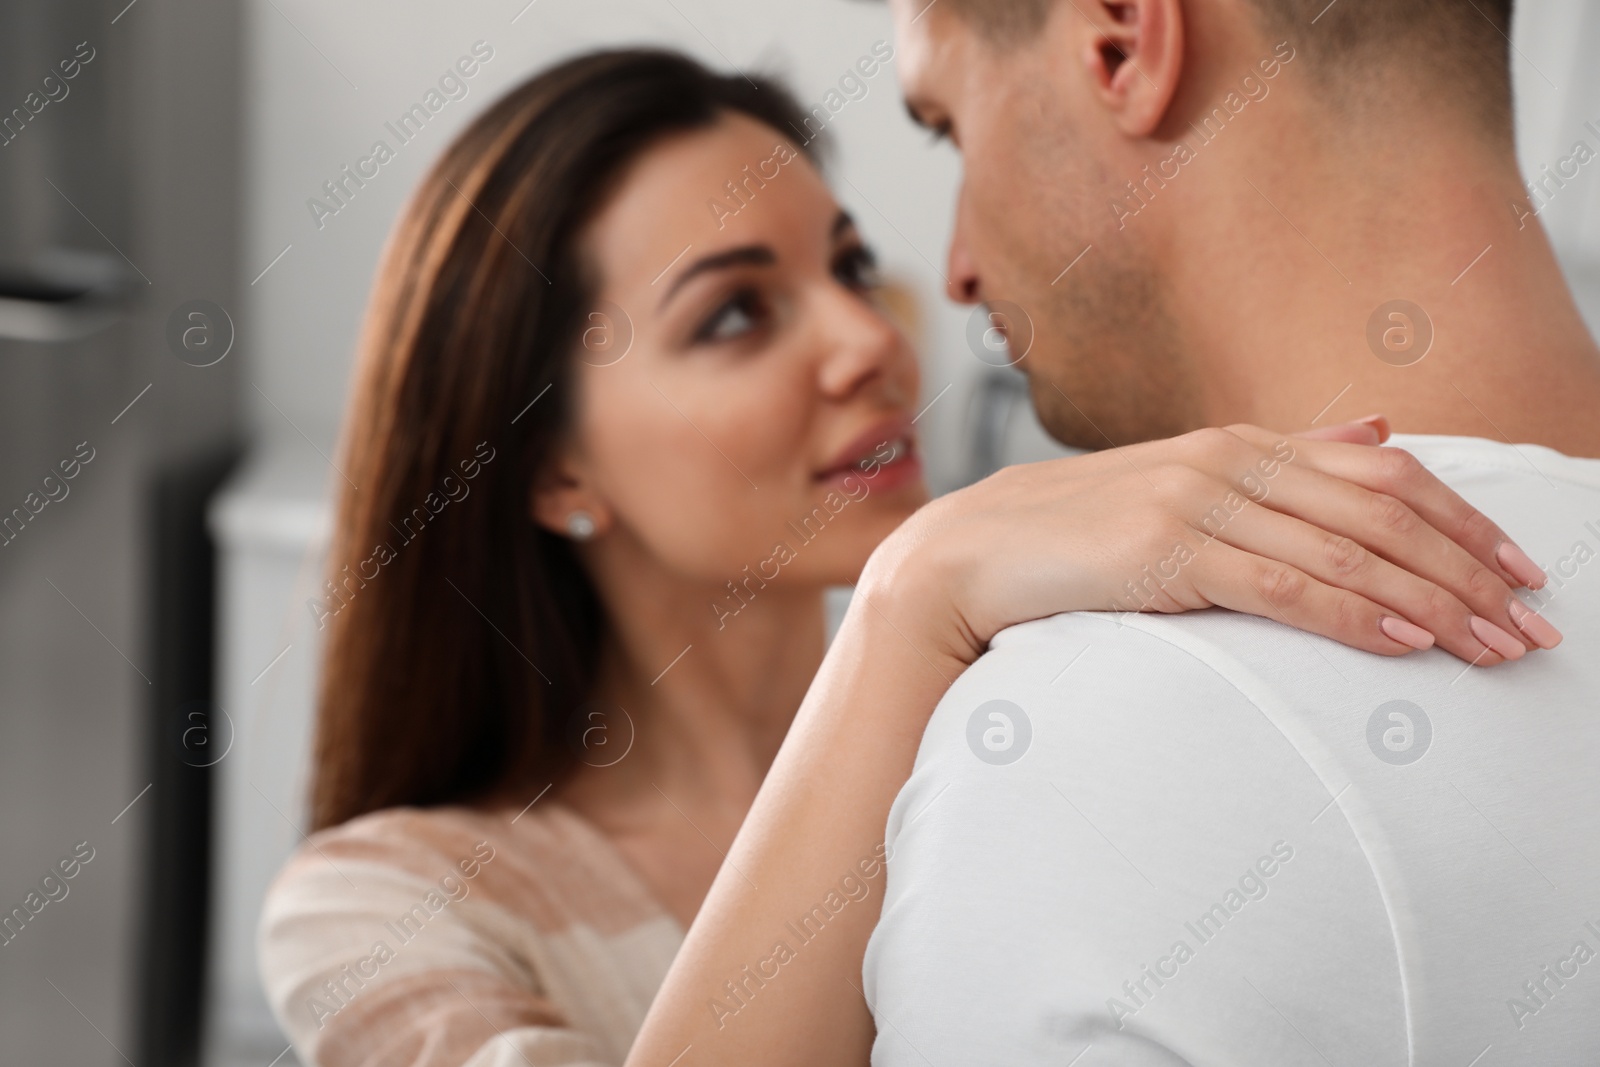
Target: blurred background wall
[[120, 200], [156, 654]]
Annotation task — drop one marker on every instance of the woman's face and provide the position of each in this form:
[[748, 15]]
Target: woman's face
[[759, 415]]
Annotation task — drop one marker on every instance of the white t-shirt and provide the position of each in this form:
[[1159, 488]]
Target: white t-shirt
[[1209, 839]]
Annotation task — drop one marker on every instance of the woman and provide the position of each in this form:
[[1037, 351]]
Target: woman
[[612, 444]]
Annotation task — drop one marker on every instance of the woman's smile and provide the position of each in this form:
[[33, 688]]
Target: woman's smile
[[885, 454]]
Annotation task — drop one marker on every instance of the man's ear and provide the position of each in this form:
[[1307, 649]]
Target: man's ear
[[1135, 57]]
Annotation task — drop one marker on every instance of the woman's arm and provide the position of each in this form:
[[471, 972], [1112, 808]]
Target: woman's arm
[[1336, 537], [388, 940]]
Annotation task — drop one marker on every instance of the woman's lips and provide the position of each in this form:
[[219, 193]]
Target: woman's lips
[[886, 442], [889, 463]]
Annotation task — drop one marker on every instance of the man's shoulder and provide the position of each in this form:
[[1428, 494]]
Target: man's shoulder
[[1196, 642], [1088, 668], [1160, 717], [1096, 797]]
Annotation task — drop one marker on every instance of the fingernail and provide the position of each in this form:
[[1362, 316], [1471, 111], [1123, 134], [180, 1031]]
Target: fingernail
[[1496, 638], [1377, 422], [1534, 625], [1406, 633], [1519, 565]]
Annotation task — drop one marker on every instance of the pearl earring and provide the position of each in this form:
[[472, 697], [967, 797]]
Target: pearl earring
[[580, 526]]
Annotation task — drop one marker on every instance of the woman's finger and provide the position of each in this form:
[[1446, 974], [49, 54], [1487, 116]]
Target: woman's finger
[[1340, 562], [1396, 473], [1389, 527], [1372, 430], [1243, 581]]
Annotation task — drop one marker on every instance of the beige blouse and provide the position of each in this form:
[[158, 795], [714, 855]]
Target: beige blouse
[[447, 937]]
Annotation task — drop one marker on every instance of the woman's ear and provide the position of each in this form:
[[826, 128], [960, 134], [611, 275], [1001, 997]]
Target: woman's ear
[[563, 503], [1135, 56]]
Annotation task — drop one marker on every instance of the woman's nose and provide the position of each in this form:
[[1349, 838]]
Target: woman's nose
[[864, 346]]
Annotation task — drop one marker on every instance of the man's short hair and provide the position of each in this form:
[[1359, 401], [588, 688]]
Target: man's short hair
[[1465, 43]]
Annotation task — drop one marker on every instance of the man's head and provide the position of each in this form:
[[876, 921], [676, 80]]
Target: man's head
[[1117, 155]]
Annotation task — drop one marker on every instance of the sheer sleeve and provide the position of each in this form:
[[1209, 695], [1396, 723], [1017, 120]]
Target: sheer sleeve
[[374, 966], [448, 937]]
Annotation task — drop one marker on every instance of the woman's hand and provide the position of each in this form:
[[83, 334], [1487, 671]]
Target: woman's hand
[[1357, 543], [1328, 533]]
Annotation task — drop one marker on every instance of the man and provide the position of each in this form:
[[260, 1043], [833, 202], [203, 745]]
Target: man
[[1209, 839]]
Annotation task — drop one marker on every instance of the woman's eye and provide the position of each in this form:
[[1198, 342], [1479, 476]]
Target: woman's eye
[[738, 316], [857, 268]]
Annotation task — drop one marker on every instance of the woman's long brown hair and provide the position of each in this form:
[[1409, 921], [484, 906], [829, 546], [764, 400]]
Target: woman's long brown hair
[[462, 638]]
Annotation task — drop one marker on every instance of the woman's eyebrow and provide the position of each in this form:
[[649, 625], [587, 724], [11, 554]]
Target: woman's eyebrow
[[759, 255]]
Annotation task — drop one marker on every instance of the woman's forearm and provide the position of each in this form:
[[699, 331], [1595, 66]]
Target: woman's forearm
[[771, 970], [1330, 536]]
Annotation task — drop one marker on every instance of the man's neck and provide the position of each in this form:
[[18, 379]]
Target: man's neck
[[1311, 325]]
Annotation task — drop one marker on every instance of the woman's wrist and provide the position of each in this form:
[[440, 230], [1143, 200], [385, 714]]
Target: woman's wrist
[[915, 581]]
